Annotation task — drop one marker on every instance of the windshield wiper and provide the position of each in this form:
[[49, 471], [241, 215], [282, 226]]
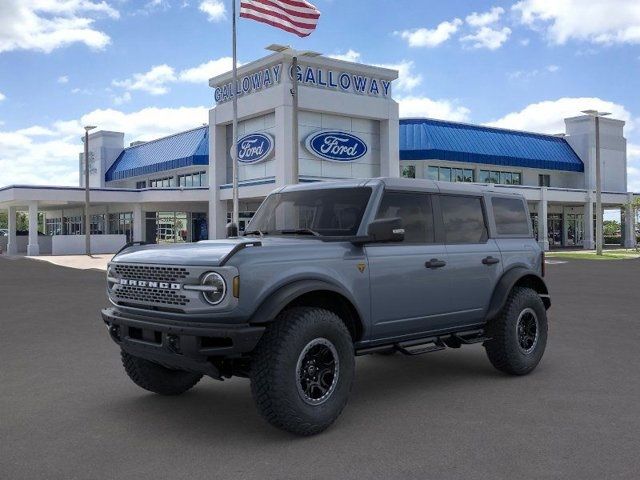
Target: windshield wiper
[[299, 231], [256, 232]]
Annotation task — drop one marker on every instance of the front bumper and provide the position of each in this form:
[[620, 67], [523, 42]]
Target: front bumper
[[176, 344]]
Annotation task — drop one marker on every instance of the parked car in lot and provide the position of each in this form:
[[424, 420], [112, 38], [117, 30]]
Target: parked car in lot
[[4, 232], [325, 272]]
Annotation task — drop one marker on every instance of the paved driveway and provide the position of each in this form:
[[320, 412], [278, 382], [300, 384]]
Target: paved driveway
[[67, 410]]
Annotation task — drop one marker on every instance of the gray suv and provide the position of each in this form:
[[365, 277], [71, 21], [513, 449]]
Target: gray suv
[[325, 272]]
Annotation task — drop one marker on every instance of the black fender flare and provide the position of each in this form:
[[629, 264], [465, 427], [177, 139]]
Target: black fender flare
[[506, 283], [281, 297]]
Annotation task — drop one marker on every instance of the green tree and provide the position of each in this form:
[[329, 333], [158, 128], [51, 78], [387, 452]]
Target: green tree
[[611, 228]]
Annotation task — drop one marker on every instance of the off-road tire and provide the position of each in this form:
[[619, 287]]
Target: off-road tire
[[156, 378], [503, 348], [274, 375]]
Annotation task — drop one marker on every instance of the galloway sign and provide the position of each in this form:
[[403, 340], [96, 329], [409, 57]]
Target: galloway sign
[[255, 148], [262, 79], [311, 76], [342, 81], [336, 146]]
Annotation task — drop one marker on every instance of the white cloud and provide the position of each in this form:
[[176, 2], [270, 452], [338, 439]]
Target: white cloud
[[526, 75], [423, 37], [158, 79], [45, 25], [154, 81], [63, 79], [203, 72], [486, 18], [2, 96], [407, 78], [548, 116], [122, 99], [525, 42], [595, 21], [214, 9], [349, 56], [49, 155], [487, 37], [416, 106]]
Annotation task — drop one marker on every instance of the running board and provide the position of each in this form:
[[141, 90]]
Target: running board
[[429, 344]]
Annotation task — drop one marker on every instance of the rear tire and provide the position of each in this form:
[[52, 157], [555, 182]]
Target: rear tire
[[156, 378], [519, 334], [302, 370]]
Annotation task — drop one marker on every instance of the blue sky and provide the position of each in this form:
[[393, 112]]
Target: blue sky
[[142, 66]]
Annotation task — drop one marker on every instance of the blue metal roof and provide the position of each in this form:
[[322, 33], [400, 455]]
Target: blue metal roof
[[183, 149], [427, 139]]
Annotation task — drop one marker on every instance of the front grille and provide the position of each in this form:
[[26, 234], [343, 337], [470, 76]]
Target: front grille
[[152, 273], [150, 295]]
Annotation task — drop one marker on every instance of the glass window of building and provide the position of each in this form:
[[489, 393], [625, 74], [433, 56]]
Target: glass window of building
[[175, 227], [500, 177], [142, 184], [197, 179], [162, 182], [414, 209], [544, 180], [53, 226], [444, 174], [409, 171], [98, 224], [121, 224], [510, 215], [463, 219], [450, 174]]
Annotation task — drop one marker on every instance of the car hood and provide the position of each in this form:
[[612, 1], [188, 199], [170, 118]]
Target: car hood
[[206, 253]]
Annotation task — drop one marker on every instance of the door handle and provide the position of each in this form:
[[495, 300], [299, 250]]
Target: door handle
[[435, 263], [490, 260]]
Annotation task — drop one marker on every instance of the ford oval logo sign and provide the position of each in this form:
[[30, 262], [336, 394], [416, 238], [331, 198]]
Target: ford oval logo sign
[[255, 147], [336, 146]]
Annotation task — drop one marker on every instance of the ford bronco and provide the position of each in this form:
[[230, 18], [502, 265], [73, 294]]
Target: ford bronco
[[325, 272]]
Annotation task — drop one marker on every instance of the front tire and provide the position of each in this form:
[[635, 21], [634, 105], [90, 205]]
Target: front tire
[[518, 334], [156, 378], [302, 370]]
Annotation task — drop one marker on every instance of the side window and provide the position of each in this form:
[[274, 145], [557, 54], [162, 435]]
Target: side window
[[510, 216], [463, 219], [415, 211]]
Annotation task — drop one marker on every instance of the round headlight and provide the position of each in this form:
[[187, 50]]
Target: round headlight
[[216, 288]]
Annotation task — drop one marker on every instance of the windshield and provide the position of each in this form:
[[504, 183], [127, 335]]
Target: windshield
[[321, 212]]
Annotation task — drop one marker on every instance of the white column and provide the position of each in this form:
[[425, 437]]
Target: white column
[[284, 142], [218, 160], [389, 144], [543, 237], [629, 224], [12, 246], [138, 222], [33, 248], [589, 242]]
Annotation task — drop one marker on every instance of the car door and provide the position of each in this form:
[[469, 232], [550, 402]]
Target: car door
[[474, 259], [408, 279]]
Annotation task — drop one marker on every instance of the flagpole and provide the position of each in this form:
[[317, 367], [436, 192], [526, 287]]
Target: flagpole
[[234, 149], [294, 126]]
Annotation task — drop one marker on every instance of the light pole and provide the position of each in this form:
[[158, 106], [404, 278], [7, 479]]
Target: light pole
[[596, 114], [87, 218], [294, 54]]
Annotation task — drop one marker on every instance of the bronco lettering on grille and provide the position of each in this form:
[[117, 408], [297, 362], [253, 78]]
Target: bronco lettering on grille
[[150, 284]]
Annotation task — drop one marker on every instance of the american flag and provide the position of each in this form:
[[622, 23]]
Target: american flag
[[294, 16]]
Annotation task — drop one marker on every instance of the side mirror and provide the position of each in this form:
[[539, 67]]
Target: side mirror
[[232, 230], [386, 230]]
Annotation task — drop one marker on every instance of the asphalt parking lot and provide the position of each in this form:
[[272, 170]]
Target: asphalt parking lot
[[67, 410]]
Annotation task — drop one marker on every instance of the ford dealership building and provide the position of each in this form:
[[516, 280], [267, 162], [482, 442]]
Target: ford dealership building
[[178, 188]]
